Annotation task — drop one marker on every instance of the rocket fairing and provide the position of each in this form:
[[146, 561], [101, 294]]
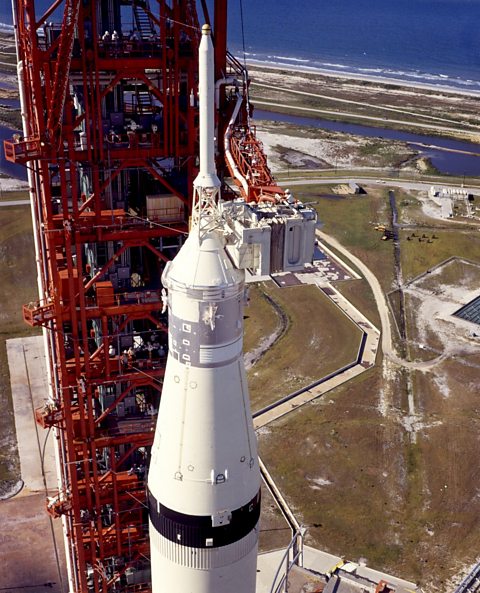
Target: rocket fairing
[[204, 477]]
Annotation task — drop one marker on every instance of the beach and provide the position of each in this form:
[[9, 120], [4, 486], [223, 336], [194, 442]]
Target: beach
[[360, 77]]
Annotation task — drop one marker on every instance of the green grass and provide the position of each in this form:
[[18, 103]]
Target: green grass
[[352, 220], [319, 339], [334, 472], [260, 317], [18, 286], [418, 257], [359, 294], [10, 196]]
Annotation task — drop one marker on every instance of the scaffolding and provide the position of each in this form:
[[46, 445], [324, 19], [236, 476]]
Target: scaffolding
[[109, 105], [108, 92]]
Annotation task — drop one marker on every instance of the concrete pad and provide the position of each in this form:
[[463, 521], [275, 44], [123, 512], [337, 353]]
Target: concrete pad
[[321, 563], [31, 542], [28, 545], [28, 376]]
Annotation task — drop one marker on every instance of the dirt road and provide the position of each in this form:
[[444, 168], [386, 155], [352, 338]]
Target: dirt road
[[387, 344]]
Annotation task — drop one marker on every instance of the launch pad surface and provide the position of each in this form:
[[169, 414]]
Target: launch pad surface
[[31, 546]]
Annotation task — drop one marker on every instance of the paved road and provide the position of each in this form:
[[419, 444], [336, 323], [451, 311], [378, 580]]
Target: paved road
[[387, 344], [432, 127], [14, 203], [31, 546], [361, 103], [408, 185]]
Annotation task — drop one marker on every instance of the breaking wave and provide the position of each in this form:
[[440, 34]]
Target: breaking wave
[[412, 76], [6, 28]]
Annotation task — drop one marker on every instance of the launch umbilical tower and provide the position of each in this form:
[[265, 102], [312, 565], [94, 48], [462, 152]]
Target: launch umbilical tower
[[109, 100]]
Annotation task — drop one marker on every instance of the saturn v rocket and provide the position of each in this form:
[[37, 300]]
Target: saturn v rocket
[[204, 478]]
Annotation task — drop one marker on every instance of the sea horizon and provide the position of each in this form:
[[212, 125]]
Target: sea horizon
[[416, 79], [426, 42]]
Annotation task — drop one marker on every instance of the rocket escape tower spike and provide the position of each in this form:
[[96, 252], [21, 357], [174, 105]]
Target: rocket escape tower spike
[[108, 93]]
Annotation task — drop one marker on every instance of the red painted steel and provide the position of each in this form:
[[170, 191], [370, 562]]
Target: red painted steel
[[109, 131], [110, 140]]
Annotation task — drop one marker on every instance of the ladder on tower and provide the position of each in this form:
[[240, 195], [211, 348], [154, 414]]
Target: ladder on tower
[[143, 21], [62, 67], [144, 101]]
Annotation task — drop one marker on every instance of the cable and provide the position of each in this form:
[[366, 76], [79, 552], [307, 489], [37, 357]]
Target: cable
[[41, 451], [153, 223], [243, 35]]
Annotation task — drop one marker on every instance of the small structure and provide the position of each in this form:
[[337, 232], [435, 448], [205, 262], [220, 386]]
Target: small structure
[[470, 311], [384, 587], [355, 188], [350, 188]]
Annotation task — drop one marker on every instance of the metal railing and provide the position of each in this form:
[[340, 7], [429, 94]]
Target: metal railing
[[291, 557], [471, 583]]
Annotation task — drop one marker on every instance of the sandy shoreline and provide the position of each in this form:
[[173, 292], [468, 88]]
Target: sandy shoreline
[[345, 76], [12, 184]]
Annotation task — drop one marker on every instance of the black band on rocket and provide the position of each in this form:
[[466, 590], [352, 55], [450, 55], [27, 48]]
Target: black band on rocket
[[197, 531]]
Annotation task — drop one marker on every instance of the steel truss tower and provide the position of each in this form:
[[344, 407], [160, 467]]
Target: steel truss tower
[[109, 104], [108, 93]]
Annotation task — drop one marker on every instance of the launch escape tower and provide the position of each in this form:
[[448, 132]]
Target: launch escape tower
[[108, 92]]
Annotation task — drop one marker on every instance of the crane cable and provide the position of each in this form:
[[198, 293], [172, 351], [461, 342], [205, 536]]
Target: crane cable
[[247, 96], [243, 35]]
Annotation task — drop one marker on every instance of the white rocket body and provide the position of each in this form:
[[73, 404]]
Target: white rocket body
[[204, 478]]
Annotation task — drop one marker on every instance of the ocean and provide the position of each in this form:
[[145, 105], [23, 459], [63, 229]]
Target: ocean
[[424, 41]]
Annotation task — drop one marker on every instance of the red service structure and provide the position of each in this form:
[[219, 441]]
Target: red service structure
[[109, 100]]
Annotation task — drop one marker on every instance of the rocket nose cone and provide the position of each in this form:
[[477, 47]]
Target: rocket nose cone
[[201, 263], [206, 30]]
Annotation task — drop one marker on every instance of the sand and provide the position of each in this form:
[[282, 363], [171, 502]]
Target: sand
[[8, 184], [252, 64]]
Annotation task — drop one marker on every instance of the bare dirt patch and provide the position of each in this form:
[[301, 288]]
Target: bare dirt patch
[[309, 147], [434, 298]]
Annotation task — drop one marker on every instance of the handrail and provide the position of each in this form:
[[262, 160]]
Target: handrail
[[277, 588]]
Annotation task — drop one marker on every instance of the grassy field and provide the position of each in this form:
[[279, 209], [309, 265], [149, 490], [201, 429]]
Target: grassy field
[[373, 174], [18, 286], [340, 474], [418, 257], [274, 530], [260, 317], [359, 294], [10, 196], [318, 340], [351, 220], [448, 449], [348, 100], [365, 490], [362, 480]]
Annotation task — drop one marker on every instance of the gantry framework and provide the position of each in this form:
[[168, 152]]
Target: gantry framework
[[109, 105]]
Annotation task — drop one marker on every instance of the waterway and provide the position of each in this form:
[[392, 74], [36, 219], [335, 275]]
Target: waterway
[[7, 168], [432, 147], [10, 102], [435, 148]]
